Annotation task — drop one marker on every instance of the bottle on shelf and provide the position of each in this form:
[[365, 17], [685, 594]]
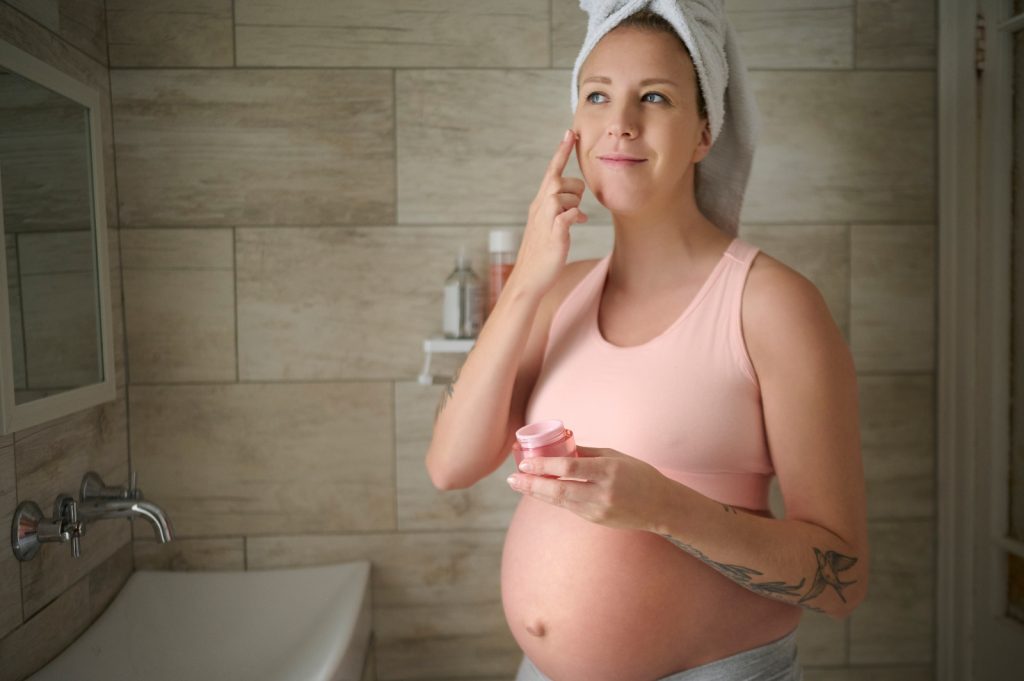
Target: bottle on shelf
[[463, 300], [503, 249]]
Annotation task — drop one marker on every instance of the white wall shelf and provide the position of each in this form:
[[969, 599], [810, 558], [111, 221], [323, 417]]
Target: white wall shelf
[[441, 346]]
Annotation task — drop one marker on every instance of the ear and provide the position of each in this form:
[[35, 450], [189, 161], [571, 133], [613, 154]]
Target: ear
[[703, 147]]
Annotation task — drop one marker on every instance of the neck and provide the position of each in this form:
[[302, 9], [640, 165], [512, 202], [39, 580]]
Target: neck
[[658, 247]]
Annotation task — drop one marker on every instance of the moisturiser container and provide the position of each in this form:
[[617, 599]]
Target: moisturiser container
[[543, 438]]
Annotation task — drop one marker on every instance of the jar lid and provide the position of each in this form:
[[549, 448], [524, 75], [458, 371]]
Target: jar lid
[[503, 241], [540, 433]]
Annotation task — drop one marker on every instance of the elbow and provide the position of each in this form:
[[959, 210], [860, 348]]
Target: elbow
[[441, 478]]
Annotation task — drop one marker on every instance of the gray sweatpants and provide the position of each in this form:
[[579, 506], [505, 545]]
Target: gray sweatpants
[[774, 661]]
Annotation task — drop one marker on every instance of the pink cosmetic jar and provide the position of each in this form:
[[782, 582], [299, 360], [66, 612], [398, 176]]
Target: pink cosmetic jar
[[543, 438]]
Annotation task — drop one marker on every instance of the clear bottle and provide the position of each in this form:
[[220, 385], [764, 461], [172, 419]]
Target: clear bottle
[[503, 249], [463, 300]]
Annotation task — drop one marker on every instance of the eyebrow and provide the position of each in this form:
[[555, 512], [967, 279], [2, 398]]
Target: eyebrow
[[646, 81]]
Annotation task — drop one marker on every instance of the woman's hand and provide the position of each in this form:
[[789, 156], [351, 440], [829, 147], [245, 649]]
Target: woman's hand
[[545, 244], [606, 487]]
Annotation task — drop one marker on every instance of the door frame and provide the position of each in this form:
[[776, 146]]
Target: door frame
[[973, 342]]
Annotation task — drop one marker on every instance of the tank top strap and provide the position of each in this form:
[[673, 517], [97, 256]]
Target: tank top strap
[[741, 255]]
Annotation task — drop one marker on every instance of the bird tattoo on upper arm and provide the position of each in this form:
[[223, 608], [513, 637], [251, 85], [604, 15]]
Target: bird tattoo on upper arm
[[830, 564]]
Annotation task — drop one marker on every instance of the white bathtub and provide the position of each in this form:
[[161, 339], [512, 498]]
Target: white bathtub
[[296, 624]]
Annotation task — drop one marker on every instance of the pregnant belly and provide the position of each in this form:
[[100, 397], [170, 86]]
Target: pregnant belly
[[590, 603]]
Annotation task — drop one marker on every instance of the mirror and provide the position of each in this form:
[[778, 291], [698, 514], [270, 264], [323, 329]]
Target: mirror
[[55, 321]]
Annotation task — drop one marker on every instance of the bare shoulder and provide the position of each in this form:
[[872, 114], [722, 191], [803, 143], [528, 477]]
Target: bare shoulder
[[785, 315]]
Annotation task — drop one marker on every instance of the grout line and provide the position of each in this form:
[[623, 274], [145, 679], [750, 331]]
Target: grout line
[[394, 136], [234, 279], [551, 34], [394, 445], [21, 306], [483, 223], [849, 286], [449, 69]]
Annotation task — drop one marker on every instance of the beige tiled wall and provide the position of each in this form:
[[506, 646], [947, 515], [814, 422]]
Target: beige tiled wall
[[295, 179], [46, 602]]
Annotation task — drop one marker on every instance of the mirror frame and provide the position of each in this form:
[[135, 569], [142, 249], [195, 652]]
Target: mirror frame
[[14, 416]]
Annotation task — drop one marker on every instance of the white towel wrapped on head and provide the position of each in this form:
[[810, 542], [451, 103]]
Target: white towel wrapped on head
[[732, 112]]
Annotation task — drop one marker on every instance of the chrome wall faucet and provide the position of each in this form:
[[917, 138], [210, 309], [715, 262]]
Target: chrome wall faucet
[[30, 529]]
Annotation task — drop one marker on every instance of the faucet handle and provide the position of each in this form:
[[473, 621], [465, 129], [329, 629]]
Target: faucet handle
[[93, 487], [65, 512], [133, 489]]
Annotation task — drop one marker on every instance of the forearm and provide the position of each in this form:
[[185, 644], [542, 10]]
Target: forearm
[[786, 559], [471, 419]]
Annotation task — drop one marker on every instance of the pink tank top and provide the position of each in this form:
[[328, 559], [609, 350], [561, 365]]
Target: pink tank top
[[687, 401]]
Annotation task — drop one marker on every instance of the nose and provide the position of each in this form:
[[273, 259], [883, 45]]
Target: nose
[[623, 121]]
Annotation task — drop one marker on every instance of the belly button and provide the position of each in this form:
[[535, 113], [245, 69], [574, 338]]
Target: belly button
[[537, 628]]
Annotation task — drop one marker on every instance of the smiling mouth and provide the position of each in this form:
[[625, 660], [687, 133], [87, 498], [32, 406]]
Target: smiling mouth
[[622, 162]]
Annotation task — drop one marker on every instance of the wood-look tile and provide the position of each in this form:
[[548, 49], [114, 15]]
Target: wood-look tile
[[170, 33], [46, 12], [436, 597], [794, 34], [895, 623], [177, 249], [819, 252], [117, 306], [393, 33], [189, 336], [273, 457], [219, 553], [220, 147], [107, 580], [772, 34], [51, 459], [898, 445], [10, 574], [863, 152], [180, 338], [83, 23], [43, 637], [352, 303], [486, 505], [896, 34], [892, 297], [478, 141], [821, 639], [871, 673]]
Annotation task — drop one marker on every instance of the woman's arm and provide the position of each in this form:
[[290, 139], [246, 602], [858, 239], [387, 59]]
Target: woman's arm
[[817, 557], [478, 412]]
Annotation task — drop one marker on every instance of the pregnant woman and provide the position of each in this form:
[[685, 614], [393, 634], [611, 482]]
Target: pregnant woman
[[691, 368]]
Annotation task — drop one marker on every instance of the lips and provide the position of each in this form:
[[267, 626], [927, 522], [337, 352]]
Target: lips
[[621, 160]]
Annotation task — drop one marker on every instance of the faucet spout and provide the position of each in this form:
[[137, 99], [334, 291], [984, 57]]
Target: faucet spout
[[94, 509]]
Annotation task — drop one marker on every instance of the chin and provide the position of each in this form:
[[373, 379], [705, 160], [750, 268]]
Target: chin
[[622, 199]]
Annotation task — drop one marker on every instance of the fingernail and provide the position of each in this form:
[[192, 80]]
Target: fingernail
[[526, 466], [511, 480], [568, 134]]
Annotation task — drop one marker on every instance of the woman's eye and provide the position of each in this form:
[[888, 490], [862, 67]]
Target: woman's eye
[[648, 94]]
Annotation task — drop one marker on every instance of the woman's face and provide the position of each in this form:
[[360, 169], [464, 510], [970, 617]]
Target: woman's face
[[621, 111]]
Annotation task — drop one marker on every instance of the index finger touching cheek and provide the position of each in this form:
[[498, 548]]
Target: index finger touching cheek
[[561, 157]]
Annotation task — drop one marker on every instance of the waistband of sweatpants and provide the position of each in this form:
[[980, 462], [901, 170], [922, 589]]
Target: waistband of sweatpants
[[773, 661]]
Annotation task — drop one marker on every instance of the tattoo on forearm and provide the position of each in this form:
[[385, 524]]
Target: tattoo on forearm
[[446, 394], [830, 564]]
